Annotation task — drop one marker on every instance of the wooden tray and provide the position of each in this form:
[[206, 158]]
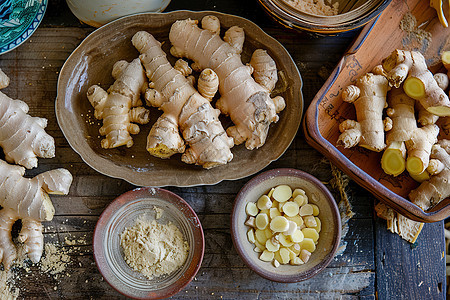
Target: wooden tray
[[376, 41]]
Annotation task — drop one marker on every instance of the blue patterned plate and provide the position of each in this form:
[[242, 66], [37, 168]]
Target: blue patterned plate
[[18, 20]]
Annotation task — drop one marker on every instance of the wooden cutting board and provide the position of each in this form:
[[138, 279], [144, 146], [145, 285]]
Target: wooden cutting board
[[409, 25]]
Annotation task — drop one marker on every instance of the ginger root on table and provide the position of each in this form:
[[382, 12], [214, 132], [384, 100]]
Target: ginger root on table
[[246, 101], [184, 108], [22, 136], [120, 106], [28, 200]]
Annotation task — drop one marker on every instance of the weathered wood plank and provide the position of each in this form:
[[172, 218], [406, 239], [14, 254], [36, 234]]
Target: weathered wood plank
[[408, 272]]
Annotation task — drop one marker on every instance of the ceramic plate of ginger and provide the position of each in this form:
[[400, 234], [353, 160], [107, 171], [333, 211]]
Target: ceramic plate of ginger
[[412, 25], [92, 63]]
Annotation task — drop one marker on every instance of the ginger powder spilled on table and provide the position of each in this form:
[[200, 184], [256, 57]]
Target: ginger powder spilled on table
[[154, 249]]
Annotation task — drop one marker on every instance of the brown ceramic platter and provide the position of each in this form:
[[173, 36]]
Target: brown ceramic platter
[[329, 237], [91, 63], [376, 41]]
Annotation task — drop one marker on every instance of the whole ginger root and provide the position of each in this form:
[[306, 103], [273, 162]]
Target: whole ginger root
[[243, 98], [184, 108], [22, 136], [28, 200], [120, 106]]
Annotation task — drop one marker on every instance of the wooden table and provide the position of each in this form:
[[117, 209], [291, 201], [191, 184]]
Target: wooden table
[[374, 264]]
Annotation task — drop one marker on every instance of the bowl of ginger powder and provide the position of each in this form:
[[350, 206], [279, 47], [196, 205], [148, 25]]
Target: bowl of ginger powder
[[148, 243]]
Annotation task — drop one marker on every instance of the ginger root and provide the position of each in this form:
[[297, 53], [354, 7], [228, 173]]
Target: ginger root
[[28, 200], [22, 137], [121, 105], [183, 107], [369, 98], [246, 102], [410, 68]]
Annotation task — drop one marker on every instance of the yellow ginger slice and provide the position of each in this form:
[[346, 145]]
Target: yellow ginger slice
[[393, 160], [184, 108], [410, 67], [419, 148], [22, 137], [246, 102], [120, 106], [27, 199], [369, 98], [282, 193]]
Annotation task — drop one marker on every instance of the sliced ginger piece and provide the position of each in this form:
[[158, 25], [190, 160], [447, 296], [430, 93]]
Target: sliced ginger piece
[[316, 210], [296, 261], [261, 221], [292, 228], [291, 209], [393, 160], [311, 233], [295, 248], [310, 221], [296, 219], [264, 202], [251, 209], [274, 212], [282, 193], [285, 240], [261, 236], [297, 236], [297, 192], [305, 255], [306, 210], [308, 244], [266, 256], [284, 254], [251, 236], [272, 247], [279, 224]]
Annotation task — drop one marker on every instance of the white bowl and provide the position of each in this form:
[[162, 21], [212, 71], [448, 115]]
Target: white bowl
[[99, 12]]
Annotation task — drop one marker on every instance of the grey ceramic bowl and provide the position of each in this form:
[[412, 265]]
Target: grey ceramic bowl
[[318, 194]]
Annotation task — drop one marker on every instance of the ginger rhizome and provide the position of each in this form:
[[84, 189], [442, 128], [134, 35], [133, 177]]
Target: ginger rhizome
[[22, 136], [28, 200], [369, 98], [120, 107], [428, 194], [405, 136], [246, 101], [184, 109], [410, 68]]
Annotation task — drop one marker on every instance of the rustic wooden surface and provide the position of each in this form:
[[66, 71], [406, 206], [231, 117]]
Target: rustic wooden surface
[[374, 264]]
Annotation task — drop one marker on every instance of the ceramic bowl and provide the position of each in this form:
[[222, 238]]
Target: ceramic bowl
[[122, 213], [18, 20], [99, 12], [329, 237], [351, 15], [91, 63]]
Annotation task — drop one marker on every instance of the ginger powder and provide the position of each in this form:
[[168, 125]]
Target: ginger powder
[[154, 249]]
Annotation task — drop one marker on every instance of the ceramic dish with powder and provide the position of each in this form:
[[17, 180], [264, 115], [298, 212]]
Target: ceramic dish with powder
[[132, 211]]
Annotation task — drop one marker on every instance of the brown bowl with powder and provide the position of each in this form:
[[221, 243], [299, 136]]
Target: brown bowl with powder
[[324, 16], [148, 244]]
